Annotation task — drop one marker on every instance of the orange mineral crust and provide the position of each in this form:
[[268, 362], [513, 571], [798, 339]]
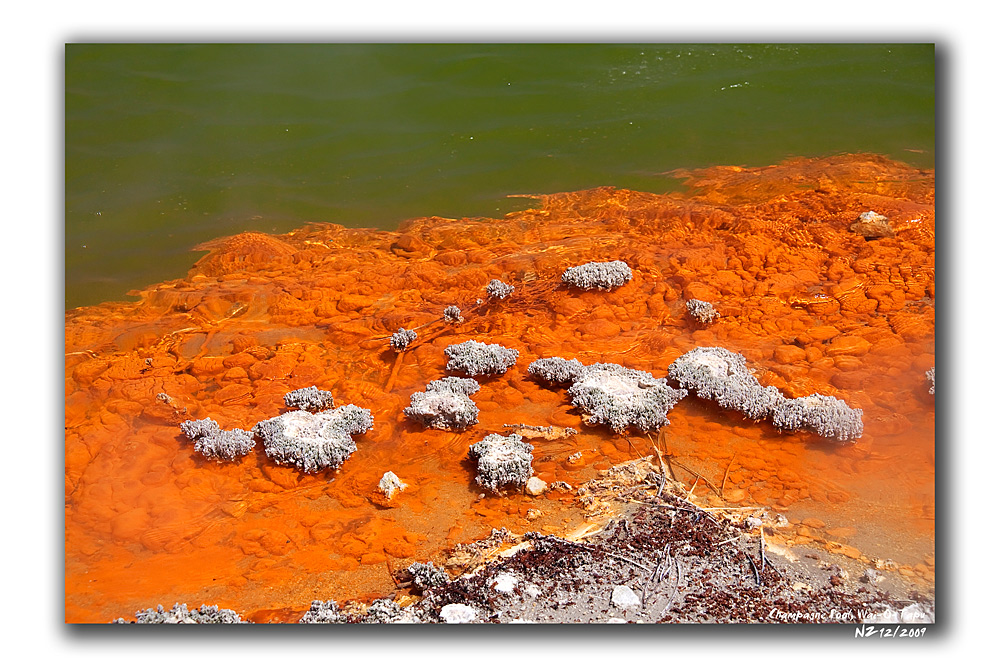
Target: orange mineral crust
[[816, 301]]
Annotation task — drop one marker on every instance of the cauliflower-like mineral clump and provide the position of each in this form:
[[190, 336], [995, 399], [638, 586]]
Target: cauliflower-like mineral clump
[[309, 398], [402, 339], [502, 461], [445, 405], [598, 275], [458, 385], [719, 375], [702, 311], [621, 397], [383, 611], [716, 374], [498, 289], [324, 612], [179, 614], [312, 442], [825, 416], [199, 428], [611, 394], [556, 370], [475, 358], [211, 441], [453, 315], [427, 575], [930, 379]]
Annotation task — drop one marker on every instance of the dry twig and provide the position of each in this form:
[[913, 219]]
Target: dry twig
[[722, 489], [632, 447], [395, 371], [663, 472], [688, 496], [756, 572], [765, 561], [677, 586], [697, 474], [604, 552], [656, 573]]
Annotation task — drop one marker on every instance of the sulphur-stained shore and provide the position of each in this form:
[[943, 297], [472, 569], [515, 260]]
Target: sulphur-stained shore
[[646, 554], [767, 332]]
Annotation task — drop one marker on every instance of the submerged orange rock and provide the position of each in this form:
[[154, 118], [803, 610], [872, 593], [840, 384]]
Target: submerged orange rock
[[813, 306]]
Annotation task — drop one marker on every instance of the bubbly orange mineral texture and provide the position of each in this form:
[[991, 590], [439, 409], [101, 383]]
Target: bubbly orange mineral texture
[[815, 302]]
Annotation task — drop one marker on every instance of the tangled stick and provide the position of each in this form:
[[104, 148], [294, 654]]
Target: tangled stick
[[722, 489]]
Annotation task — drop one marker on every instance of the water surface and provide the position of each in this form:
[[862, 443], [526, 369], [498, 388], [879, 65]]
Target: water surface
[[168, 146]]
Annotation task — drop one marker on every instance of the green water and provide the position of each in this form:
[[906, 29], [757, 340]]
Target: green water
[[168, 146]]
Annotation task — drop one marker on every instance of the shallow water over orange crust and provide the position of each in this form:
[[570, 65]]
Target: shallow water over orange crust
[[813, 306]]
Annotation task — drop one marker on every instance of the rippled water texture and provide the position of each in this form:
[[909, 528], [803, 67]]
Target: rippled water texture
[[813, 306], [169, 145]]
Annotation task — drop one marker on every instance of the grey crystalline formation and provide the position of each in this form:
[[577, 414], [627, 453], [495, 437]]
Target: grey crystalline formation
[[383, 611], [402, 339], [475, 358], [458, 385], [309, 398], [324, 612], [825, 416], [719, 375], [179, 614], [312, 442], [716, 374], [598, 275], [621, 397], [211, 441], [702, 311], [445, 405], [200, 428], [612, 394], [453, 314], [502, 461], [930, 379], [426, 575], [556, 370], [498, 289]]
